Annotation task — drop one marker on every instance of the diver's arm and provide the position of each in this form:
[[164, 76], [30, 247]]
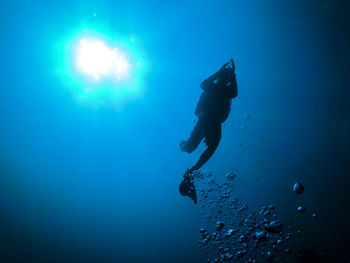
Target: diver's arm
[[234, 80], [233, 86], [201, 105], [205, 84], [209, 81], [231, 83], [230, 86]]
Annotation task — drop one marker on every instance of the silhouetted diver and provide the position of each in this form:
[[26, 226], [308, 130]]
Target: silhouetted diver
[[212, 110]]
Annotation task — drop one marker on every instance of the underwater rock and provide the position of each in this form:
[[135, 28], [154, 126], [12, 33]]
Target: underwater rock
[[315, 216], [205, 241], [274, 227], [287, 251], [219, 225], [230, 176], [229, 232], [301, 209], [243, 238], [298, 188], [266, 213], [208, 174], [274, 248], [211, 181], [243, 207], [226, 257], [241, 253], [241, 234], [270, 256], [260, 235]]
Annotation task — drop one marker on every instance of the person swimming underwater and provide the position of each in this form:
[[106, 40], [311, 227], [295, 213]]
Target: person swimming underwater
[[212, 110]]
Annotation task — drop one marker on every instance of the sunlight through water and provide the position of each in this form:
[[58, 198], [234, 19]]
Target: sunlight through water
[[96, 60], [102, 68]]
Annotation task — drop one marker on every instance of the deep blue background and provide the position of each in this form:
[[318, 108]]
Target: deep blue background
[[81, 184]]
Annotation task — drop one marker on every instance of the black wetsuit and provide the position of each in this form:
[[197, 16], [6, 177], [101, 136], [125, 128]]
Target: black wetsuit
[[212, 110]]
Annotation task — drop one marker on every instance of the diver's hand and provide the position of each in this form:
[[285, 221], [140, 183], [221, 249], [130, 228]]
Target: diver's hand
[[229, 66], [233, 64], [224, 66]]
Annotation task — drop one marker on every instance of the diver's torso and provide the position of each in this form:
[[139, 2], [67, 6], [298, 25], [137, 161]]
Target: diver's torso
[[217, 105]]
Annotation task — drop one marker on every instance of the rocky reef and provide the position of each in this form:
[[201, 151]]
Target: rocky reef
[[232, 232]]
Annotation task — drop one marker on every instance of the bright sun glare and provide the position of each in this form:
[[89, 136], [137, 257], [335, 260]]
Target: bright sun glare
[[96, 60]]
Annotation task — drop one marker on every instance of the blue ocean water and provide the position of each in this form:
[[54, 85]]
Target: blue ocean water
[[88, 178]]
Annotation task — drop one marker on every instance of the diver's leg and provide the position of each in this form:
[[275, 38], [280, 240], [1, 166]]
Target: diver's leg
[[196, 137], [212, 141]]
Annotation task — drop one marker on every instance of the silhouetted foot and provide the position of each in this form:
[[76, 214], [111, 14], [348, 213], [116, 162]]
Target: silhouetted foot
[[187, 188]]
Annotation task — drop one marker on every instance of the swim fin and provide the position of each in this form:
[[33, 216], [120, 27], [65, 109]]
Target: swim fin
[[187, 188]]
